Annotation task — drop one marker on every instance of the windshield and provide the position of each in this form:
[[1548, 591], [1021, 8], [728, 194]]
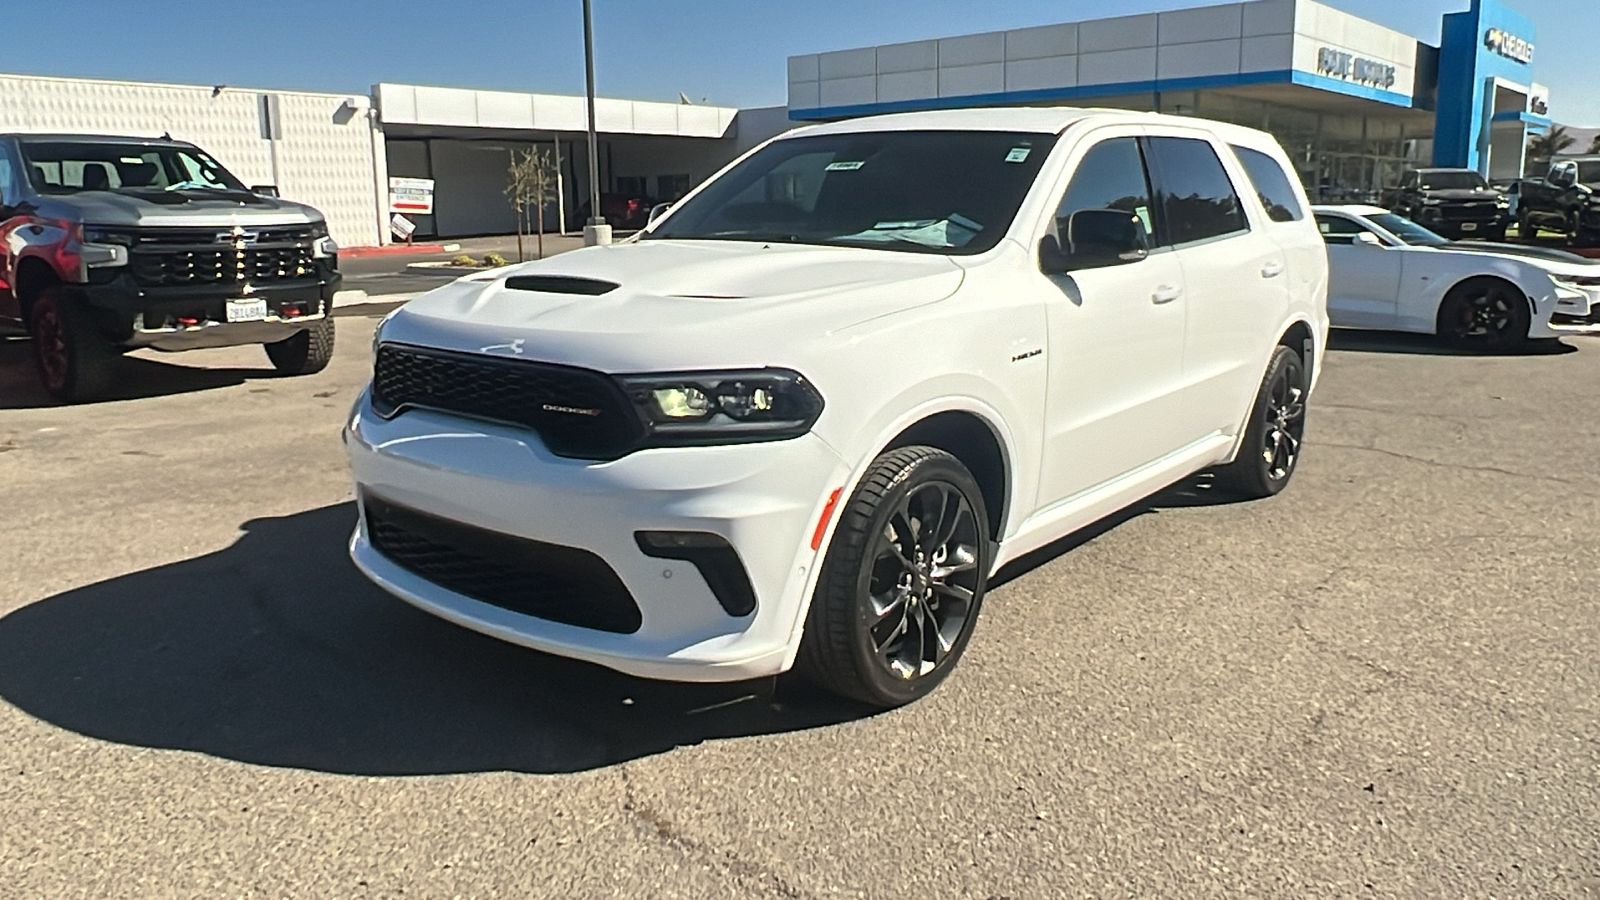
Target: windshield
[[951, 192], [1452, 181], [1406, 230], [1589, 172], [66, 167]]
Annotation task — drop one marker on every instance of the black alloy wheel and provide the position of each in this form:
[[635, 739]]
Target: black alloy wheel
[[1485, 314], [1274, 434], [902, 581], [75, 363]]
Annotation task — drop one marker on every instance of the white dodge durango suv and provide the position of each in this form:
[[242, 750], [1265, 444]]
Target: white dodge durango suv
[[801, 419]]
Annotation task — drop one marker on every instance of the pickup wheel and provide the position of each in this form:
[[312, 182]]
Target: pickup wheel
[[1273, 436], [1526, 230], [75, 362], [307, 353], [1574, 227], [1486, 314], [902, 581]]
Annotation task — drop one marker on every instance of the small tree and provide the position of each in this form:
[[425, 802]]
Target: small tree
[[531, 186], [1544, 147]]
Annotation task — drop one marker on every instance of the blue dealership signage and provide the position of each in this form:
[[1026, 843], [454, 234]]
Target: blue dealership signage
[[1490, 40]]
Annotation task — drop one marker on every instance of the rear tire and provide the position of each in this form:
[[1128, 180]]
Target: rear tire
[[305, 353], [76, 363], [1484, 314], [902, 581], [1270, 450]]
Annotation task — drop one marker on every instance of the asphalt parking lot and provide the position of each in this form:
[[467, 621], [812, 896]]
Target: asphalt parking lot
[[1384, 683]]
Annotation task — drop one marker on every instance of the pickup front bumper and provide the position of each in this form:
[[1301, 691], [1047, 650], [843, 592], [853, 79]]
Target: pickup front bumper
[[191, 316]]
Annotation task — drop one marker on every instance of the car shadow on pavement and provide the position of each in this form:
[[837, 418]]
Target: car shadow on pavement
[[1356, 341], [137, 378], [277, 651]]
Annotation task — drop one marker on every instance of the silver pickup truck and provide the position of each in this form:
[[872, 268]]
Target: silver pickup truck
[[109, 244]]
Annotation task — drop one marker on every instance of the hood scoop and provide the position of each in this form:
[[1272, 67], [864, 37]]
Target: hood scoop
[[561, 284]]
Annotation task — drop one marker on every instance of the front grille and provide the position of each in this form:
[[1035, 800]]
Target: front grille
[[549, 581], [1470, 212], [578, 413], [171, 257]]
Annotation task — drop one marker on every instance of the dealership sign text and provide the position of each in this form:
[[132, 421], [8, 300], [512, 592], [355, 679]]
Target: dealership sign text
[[1508, 45], [1349, 67]]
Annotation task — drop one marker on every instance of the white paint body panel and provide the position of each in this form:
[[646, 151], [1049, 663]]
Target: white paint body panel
[[1090, 424], [1399, 287]]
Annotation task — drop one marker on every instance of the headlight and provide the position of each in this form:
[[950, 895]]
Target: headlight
[[1576, 282], [723, 407], [322, 246], [105, 247], [123, 237], [1503, 202], [1431, 201]]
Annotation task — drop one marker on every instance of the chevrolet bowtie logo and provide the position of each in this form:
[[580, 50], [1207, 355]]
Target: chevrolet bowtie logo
[[238, 236]]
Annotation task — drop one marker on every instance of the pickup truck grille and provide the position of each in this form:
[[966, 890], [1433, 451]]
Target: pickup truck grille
[[577, 413], [172, 257]]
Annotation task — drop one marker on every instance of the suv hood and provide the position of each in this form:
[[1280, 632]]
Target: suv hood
[[676, 304], [130, 210]]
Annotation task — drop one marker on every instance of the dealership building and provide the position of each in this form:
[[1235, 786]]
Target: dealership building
[[1352, 101]]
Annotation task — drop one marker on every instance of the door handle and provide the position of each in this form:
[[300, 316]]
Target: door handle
[[1272, 269], [1166, 294]]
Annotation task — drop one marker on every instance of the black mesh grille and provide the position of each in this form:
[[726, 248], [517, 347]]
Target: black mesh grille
[[577, 412], [562, 584]]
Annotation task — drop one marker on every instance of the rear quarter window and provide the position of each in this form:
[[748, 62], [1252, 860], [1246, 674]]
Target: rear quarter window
[[1272, 185]]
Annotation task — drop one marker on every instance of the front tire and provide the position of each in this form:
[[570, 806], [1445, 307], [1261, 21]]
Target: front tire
[[1484, 314], [306, 353], [75, 362], [1270, 450], [902, 581]]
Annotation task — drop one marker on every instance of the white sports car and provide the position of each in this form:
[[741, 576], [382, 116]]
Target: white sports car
[[1387, 272]]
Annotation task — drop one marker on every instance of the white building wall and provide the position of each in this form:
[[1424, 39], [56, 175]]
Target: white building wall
[[1233, 39], [324, 157]]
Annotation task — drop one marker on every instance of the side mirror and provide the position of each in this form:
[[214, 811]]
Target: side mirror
[[656, 212], [265, 190], [1094, 239], [1367, 239]]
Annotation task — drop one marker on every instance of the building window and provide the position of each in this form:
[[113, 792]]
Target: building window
[[671, 187]]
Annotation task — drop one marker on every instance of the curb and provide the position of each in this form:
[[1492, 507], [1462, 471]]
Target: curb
[[397, 250], [347, 299]]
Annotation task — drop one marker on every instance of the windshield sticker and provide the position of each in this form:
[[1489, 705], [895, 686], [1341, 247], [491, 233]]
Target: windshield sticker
[[845, 165], [1143, 212], [1018, 154], [964, 222], [133, 160]]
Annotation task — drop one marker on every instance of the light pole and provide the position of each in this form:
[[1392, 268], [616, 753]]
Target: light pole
[[595, 231]]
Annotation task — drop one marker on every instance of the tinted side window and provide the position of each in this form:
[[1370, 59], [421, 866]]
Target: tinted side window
[[1338, 229], [1110, 176], [1196, 199], [1271, 184], [8, 184]]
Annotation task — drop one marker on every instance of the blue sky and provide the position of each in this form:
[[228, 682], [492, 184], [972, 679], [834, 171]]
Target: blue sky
[[729, 52]]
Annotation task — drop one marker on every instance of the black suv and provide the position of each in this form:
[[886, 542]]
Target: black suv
[[113, 243], [1456, 203]]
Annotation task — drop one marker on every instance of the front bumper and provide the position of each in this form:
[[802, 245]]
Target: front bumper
[[189, 316], [1574, 312], [764, 499]]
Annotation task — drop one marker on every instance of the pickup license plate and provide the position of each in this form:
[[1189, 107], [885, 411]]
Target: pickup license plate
[[1469, 226], [247, 310]]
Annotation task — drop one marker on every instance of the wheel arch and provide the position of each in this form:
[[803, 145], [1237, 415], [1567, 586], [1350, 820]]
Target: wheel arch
[[1302, 339], [979, 446], [34, 274]]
